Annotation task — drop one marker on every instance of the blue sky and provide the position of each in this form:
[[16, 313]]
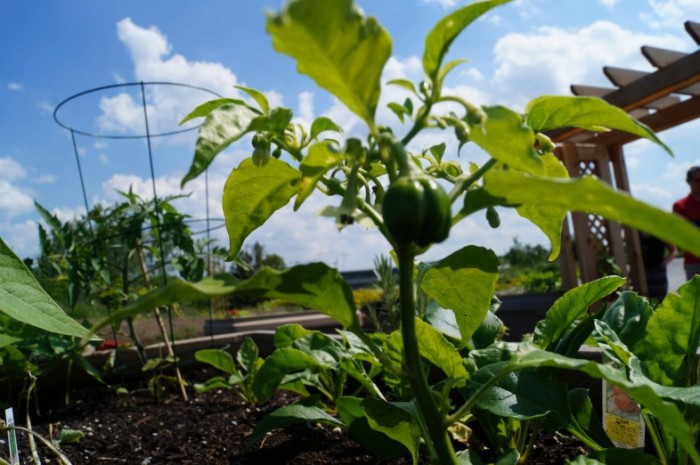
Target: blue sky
[[517, 52]]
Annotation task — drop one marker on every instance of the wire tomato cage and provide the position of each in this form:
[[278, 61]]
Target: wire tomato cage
[[148, 135]]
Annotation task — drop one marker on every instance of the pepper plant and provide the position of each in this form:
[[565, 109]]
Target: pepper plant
[[413, 196]]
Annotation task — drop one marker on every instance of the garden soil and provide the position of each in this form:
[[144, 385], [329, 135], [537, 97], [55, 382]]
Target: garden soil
[[211, 428]]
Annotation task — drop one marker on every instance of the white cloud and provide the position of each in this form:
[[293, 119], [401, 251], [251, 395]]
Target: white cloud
[[608, 3], [22, 237], [472, 73], [15, 86], [671, 13], [551, 59], [166, 105], [443, 3], [45, 179], [13, 201], [306, 108], [11, 170]]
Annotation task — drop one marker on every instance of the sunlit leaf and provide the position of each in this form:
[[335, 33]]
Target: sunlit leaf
[[592, 113], [223, 125], [276, 366], [322, 124], [321, 158], [291, 415], [464, 282], [335, 45], [588, 194], [573, 305], [252, 194], [439, 39], [395, 419], [508, 140], [434, 347], [547, 217], [259, 98], [315, 286], [672, 336], [23, 299], [219, 359]]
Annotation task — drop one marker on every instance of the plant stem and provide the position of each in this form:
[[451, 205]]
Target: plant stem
[[62, 459], [465, 183], [435, 430], [161, 326]]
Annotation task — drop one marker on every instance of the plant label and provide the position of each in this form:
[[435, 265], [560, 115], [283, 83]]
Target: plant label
[[622, 418], [11, 437]]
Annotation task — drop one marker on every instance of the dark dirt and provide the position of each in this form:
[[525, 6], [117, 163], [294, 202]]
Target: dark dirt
[[209, 429]]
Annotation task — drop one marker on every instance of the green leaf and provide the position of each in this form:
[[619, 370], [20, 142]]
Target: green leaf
[[398, 420], [285, 335], [667, 413], [276, 122], [588, 194], [277, 365], [291, 415], [628, 317], [522, 395], [252, 194], [447, 68], [399, 110], [23, 299], [215, 382], [322, 124], [548, 218], [204, 109], [224, 125], [584, 419], [405, 83], [504, 136], [572, 306], [52, 220], [469, 457], [219, 359], [434, 347], [315, 286], [672, 337], [591, 113], [247, 354], [321, 158], [322, 347], [478, 199], [6, 340], [353, 416], [342, 51], [439, 39], [259, 98], [464, 282], [488, 332]]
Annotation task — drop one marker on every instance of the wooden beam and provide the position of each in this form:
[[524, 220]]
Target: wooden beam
[[678, 75], [621, 76], [693, 29], [666, 118], [690, 90], [664, 102], [660, 57], [590, 91]]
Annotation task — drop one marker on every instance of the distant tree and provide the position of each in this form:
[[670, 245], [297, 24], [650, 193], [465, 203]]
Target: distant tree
[[526, 255], [252, 259]]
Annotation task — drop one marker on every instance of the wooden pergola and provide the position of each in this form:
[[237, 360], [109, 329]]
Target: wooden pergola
[[662, 99]]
